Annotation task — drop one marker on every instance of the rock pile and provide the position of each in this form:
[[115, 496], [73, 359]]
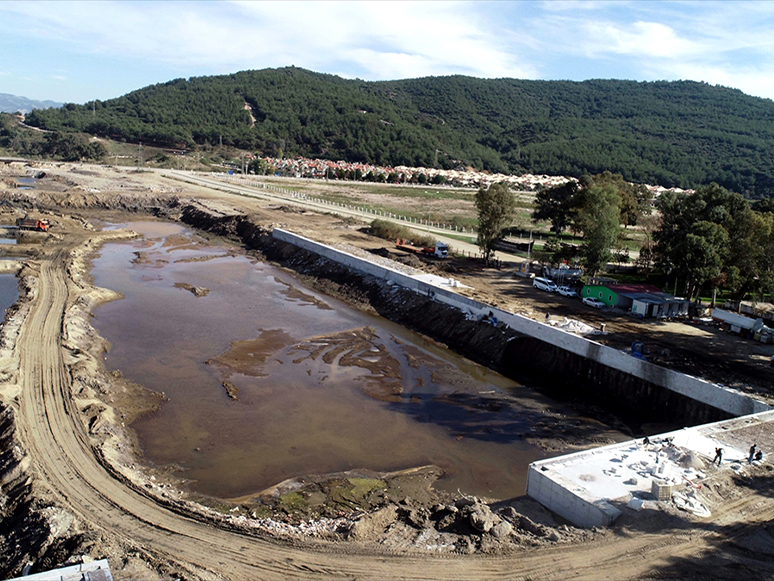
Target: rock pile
[[466, 525]]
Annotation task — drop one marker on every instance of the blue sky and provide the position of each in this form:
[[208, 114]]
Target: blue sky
[[79, 51]]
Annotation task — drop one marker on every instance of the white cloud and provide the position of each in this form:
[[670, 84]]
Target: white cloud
[[750, 80], [728, 43], [720, 42], [649, 39], [384, 39]]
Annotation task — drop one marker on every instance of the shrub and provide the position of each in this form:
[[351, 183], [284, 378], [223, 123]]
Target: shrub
[[391, 231]]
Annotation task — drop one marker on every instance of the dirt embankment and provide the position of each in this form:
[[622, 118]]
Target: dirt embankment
[[33, 530]]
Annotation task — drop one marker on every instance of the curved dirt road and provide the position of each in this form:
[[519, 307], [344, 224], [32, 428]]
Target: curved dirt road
[[63, 459]]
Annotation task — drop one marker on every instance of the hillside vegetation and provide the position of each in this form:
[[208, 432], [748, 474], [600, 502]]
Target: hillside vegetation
[[670, 133]]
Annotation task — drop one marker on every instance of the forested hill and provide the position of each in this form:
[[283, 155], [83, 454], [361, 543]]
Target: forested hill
[[670, 133]]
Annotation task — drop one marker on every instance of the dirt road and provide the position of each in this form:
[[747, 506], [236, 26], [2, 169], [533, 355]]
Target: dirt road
[[64, 460]]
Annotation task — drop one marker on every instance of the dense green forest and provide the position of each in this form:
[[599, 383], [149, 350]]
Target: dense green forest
[[670, 133]]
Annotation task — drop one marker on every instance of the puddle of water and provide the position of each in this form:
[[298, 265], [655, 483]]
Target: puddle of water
[[321, 387], [9, 291]]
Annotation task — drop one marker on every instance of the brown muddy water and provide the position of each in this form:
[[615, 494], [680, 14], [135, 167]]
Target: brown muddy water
[[320, 387]]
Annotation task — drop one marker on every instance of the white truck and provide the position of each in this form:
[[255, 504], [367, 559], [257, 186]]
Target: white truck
[[440, 250]]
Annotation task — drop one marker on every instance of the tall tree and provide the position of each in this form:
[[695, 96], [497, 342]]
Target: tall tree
[[556, 205], [703, 254], [685, 234], [496, 207], [598, 217], [635, 198]]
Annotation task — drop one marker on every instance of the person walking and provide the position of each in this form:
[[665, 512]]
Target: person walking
[[752, 453], [718, 456]]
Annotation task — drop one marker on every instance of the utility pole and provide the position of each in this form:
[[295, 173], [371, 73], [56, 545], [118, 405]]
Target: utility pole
[[139, 156], [94, 108]]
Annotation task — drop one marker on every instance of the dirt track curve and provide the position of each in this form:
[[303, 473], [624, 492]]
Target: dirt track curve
[[64, 460]]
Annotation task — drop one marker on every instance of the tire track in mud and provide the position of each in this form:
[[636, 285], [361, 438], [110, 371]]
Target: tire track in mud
[[64, 460]]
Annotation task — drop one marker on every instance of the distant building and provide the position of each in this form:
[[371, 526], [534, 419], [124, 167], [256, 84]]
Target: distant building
[[644, 300]]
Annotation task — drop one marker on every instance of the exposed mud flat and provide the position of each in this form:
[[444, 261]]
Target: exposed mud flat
[[299, 410]]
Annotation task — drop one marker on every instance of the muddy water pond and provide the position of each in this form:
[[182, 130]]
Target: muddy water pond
[[9, 292], [269, 380]]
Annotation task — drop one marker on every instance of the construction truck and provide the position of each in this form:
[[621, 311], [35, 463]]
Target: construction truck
[[440, 250], [28, 223]]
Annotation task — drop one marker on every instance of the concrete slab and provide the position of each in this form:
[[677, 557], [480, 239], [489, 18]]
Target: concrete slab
[[439, 281], [581, 487], [92, 571]]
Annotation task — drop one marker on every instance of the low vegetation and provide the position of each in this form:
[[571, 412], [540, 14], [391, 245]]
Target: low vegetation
[[64, 146], [391, 231]]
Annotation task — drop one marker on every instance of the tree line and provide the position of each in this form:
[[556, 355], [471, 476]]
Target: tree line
[[62, 145], [676, 134], [708, 240]]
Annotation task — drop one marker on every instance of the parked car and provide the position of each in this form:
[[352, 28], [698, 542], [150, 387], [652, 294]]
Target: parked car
[[592, 302], [566, 291], [544, 284]]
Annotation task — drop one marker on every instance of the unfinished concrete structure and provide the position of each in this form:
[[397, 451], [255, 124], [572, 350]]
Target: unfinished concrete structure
[[588, 488]]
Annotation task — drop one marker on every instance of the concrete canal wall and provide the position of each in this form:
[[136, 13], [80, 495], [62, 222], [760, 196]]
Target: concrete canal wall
[[591, 364]]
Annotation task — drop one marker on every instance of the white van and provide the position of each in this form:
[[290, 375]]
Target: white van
[[544, 284]]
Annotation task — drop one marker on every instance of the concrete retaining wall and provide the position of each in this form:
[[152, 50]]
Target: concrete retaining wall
[[562, 497], [727, 400]]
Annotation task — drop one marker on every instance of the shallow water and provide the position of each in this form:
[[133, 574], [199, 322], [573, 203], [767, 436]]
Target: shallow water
[[9, 292], [321, 387]]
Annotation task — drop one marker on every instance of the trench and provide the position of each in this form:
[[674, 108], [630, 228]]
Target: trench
[[313, 386]]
